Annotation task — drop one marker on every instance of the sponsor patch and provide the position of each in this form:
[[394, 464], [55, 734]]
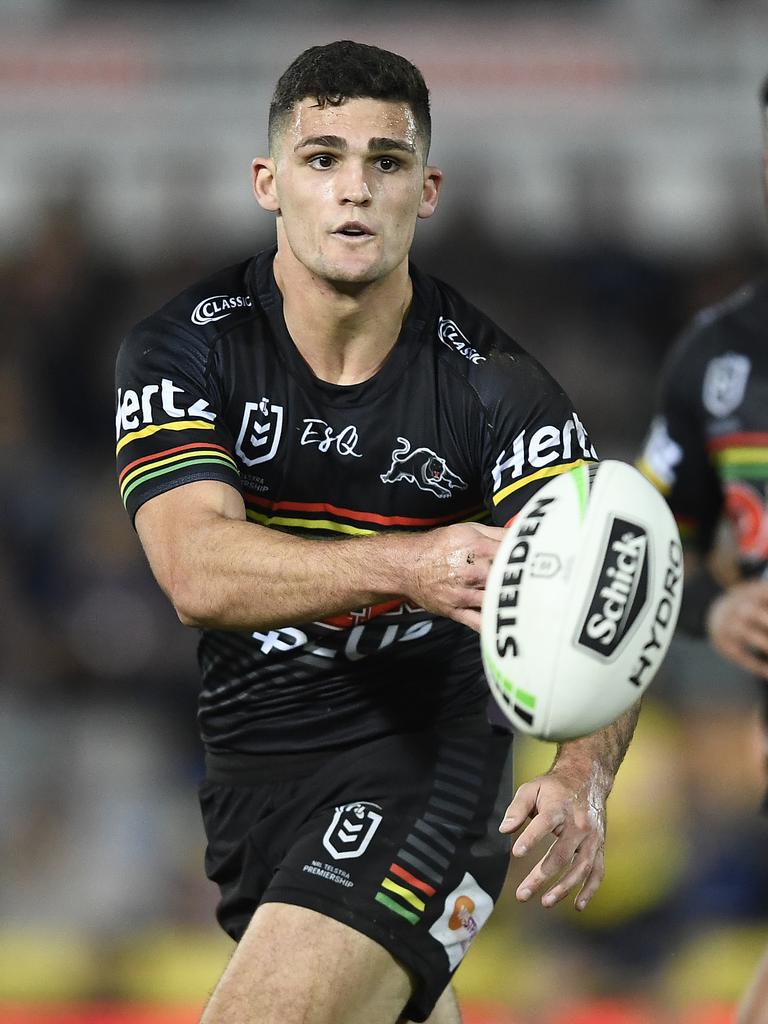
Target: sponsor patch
[[466, 910], [661, 455], [535, 452], [343, 442], [449, 332], [620, 592], [352, 829], [216, 307], [424, 468], [155, 403]]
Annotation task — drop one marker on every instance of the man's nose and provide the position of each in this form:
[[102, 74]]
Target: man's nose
[[354, 187]]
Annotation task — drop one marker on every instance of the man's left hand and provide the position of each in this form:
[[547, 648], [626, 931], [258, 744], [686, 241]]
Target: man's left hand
[[568, 808]]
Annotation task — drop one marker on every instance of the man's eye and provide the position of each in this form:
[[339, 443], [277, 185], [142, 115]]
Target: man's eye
[[322, 161], [388, 163]]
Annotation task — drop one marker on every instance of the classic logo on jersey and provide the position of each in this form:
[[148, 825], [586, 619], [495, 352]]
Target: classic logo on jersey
[[424, 468], [352, 829], [318, 432], [216, 307], [532, 455], [466, 910], [260, 432], [135, 408], [725, 382], [621, 590], [449, 332]]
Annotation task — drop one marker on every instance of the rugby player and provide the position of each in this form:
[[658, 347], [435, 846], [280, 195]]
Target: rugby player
[[707, 451], [319, 448]]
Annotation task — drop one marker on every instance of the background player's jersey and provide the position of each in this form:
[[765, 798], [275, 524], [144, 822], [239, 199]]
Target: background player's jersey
[[707, 449], [459, 424]]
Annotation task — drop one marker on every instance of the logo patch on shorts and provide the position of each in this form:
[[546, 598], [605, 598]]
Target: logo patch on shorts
[[352, 829], [466, 910]]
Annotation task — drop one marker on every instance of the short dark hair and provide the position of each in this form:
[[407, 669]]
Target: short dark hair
[[346, 70]]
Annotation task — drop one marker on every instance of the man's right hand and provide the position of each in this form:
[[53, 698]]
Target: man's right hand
[[450, 568], [737, 625]]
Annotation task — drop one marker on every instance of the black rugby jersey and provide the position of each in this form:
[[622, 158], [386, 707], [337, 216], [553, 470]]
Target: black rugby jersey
[[707, 448], [459, 424]]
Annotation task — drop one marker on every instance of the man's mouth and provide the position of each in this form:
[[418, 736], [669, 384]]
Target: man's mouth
[[354, 229]]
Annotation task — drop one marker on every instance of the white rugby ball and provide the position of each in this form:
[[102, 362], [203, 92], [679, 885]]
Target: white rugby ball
[[581, 601]]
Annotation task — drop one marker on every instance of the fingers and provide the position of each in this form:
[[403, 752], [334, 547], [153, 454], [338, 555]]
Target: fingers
[[744, 658], [521, 808], [572, 864], [738, 626]]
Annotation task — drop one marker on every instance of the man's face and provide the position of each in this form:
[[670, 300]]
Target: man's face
[[350, 183]]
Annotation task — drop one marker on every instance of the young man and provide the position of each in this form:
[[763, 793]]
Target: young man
[[707, 451], [312, 445]]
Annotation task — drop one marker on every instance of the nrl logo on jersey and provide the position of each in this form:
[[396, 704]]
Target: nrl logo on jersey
[[352, 829], [216, 307], [424, 468], [449, 332], [725, 383], [260, 431]]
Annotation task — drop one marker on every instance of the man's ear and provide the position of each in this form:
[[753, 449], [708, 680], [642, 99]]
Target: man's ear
[[263, 183], [433, 179]]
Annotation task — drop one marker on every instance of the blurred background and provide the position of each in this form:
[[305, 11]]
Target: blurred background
[[603, 182]]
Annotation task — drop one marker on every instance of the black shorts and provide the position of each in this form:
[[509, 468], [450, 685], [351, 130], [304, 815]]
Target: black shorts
[[397, 838]]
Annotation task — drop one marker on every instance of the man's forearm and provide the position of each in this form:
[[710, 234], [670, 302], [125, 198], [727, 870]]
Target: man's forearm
[[594, 760], [249, 577]]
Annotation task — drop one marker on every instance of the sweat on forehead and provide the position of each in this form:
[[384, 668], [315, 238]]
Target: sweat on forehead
[[379, 125]]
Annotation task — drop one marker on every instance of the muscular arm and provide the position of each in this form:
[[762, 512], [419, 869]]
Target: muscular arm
[[222, 572]]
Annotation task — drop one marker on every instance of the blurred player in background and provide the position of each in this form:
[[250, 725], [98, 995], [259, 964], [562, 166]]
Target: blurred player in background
[[313, 445], [707, 451]]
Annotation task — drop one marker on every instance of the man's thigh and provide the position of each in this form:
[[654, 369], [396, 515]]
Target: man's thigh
[[397, 839], [295, 966]]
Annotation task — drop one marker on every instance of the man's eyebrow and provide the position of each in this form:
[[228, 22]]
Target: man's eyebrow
[[326, 141], [375, 145], [383, 144]]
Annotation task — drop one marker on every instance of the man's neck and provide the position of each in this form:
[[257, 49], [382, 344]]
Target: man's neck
[[344, 334]]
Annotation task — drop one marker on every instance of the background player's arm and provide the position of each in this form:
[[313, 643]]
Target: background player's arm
[[735, 620], [222, 572]]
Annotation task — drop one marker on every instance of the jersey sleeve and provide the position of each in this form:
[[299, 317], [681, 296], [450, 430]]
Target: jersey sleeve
[[168, 420], [674, 455], [532, 433]]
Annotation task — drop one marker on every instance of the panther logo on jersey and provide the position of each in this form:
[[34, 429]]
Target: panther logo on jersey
[[424, 468], [260, 432]]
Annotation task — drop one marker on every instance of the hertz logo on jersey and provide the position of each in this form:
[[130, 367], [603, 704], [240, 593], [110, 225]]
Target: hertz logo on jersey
[[545, 452], [135, 408]]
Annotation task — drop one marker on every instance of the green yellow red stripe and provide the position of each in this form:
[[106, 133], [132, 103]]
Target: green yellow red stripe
[[406, 876], [381, 897], [193, 455], [404, 894], [738, 440], [358, 515], [321, 515], [136, 435], [540, 474]]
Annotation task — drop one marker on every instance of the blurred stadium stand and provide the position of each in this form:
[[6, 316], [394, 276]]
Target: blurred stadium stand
[[603, 182]]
